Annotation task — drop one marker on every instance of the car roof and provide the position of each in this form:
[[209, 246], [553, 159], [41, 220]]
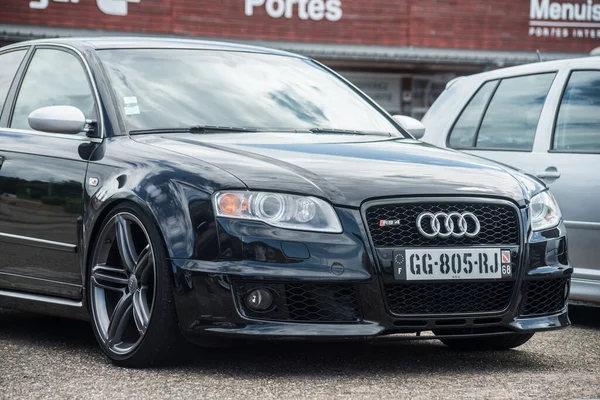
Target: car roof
[[534, 68], [113, 42]]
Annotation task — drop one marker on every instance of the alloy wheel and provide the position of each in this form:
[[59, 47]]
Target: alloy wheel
[[123, 283]]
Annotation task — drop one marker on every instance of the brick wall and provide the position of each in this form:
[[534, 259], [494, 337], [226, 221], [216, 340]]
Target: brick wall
[[470, 24]]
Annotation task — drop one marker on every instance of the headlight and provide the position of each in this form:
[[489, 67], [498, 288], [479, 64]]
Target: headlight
[[280, 210], [544, 211]]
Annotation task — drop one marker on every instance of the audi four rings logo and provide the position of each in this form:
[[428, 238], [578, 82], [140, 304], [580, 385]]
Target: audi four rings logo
[[444, 225]]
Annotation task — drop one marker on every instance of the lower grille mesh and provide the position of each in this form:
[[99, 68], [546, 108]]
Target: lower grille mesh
[[448, 297], [544, 296], [304, 302]]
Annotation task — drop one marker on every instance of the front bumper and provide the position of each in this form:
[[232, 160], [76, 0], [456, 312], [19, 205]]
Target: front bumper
[[209, 293]]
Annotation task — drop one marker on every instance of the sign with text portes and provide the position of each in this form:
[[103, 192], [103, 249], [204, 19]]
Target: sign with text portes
[[315, 10]]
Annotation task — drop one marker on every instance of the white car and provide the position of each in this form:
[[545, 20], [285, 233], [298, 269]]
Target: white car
[[544, 119]]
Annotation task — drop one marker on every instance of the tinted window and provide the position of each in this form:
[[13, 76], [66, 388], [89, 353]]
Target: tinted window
[[511, 119], [165, 88], [53, 78], [463, 132], [9, 64], [578, 123]]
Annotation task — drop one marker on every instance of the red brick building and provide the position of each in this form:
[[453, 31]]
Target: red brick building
[[402, 52]]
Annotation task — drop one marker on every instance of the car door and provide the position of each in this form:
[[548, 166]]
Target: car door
[[569, 160], [41, 178]]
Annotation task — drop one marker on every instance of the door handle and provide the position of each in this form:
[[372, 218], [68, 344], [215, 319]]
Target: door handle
[[549, 173]]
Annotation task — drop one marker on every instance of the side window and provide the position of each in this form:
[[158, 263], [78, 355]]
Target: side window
[[465, 128], [578, 123], [9, 64], [513, 114], [53, 78], [511, 117]]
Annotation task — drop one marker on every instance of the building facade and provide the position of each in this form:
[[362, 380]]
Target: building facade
[[401, 52]]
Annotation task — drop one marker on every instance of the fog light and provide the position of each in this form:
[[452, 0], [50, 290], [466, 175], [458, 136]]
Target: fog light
[[259, 300]]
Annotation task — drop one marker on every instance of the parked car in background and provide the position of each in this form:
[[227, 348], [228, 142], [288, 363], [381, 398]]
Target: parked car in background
[[169, 189], [544, 119]]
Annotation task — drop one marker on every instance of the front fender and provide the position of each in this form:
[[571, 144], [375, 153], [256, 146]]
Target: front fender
[[183, 213], [176, 194]]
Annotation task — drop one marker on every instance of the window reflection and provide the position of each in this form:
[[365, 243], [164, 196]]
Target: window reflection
[[163, 88], [9, 63], [578, 123], [513, 114], [463, 133]]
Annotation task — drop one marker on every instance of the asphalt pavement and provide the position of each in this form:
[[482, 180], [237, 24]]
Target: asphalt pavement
[[47, 357]]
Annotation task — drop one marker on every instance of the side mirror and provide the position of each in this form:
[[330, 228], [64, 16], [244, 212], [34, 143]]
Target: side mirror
[[411, 125], [57, 119]]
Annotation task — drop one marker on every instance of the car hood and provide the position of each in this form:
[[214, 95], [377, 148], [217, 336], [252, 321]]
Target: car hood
[[348, 169]]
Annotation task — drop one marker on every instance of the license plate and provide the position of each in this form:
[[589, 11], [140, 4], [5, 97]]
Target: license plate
[[452, 263]]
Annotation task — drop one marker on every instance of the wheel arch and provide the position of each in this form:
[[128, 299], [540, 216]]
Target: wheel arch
[[170, 206], [96, 221]]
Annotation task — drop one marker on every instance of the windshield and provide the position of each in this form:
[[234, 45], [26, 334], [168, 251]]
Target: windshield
[[174, 88]]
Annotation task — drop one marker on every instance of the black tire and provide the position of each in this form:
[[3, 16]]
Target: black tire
[[503, 342], [160, 340]]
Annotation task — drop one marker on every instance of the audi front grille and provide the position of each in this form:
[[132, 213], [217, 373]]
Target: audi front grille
[[499, 224], [394, 225]]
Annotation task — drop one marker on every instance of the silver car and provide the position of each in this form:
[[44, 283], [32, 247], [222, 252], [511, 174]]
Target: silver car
[[544, 119]]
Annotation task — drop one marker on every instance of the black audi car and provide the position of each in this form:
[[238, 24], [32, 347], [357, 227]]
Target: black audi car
[[174, 189]]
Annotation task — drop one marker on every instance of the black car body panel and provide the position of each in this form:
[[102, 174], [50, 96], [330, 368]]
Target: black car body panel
[[333, 284], [51, 171], [319, 166]]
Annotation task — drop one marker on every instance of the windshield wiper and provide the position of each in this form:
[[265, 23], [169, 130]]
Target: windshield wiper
[[216, 129], [346, 132], [194, 129], [202, 129]]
